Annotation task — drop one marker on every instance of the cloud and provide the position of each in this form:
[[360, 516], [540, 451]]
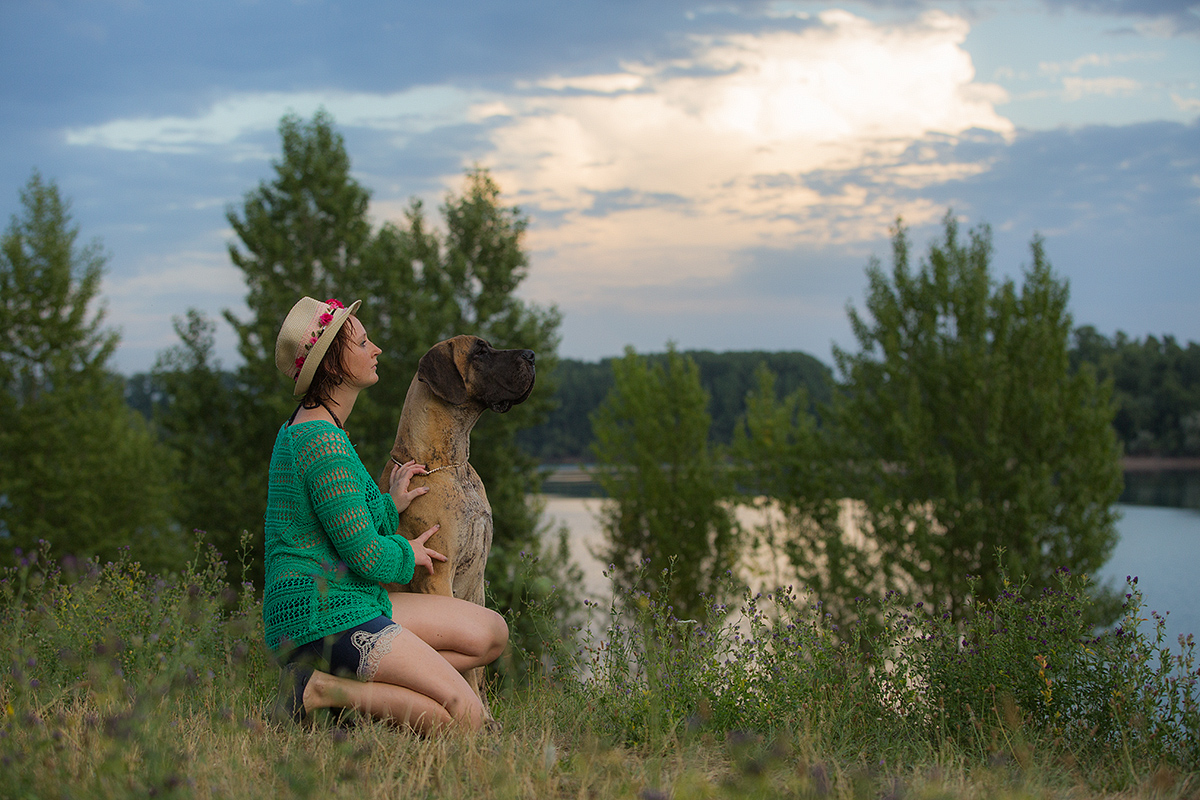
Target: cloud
[[231, 122], [1161, 17], [658, 171], [143, 301], [655, 186], [1076, 88], [1189, 104], [738, 134], [1077, 65]]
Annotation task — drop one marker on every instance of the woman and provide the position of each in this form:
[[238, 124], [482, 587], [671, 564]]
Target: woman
[[331, 540]]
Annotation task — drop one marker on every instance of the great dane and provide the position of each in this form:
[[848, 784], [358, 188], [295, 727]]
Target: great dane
[[456, 381]]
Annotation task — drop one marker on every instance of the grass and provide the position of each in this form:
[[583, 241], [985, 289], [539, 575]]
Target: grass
[[121, 684]]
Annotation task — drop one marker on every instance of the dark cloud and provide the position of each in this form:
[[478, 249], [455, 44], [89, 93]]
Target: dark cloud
[[1120, 211], [1184, 13], [605, 203], [113, 58]]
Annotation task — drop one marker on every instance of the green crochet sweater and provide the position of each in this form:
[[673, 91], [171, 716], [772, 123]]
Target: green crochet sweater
[[330, 539]]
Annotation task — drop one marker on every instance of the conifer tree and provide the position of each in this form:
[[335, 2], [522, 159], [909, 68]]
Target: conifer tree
[[196, 421], [787, 470], [966, 431], [78, 468], [668, 494], [301, 233]]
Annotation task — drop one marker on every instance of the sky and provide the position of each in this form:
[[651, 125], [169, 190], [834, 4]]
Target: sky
[[718, 175]]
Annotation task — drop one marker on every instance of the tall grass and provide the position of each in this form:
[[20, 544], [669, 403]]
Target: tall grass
[[121, 684]]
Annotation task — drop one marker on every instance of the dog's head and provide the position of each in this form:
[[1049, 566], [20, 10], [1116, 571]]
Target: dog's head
[[467, 369]]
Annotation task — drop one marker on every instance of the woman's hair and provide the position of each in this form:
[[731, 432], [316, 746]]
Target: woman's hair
[[331, 372]]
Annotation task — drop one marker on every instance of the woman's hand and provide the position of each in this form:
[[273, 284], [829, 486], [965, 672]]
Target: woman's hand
[[398, 483], [423, 554]]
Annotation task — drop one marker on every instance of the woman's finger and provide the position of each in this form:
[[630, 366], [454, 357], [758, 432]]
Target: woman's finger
[[425, 536]]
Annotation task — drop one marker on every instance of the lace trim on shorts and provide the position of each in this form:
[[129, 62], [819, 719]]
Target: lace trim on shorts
[[372, 647]]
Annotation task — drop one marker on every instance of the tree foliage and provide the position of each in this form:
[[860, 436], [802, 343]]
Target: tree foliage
[[197, 418], [966, 431], [303, 233], [1156, 388], [668, 510], [786, 469], [78, 467]]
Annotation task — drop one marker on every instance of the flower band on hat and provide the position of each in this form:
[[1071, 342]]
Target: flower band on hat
[[305, 338], [321, 323]]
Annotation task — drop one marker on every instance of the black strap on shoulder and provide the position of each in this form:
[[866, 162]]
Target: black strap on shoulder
[[321, 403]]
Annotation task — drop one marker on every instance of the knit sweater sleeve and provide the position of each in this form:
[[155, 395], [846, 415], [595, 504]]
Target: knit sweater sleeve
[[359, 520]]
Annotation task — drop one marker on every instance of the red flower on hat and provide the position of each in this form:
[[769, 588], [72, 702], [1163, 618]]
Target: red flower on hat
[[334, 303], [326, 319]]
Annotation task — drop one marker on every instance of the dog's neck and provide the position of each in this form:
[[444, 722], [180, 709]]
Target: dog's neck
[[434, 445]]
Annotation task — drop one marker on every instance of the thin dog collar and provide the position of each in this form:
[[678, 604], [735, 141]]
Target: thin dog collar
[[431, 471]]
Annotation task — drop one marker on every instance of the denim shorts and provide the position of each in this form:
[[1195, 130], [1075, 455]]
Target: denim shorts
[[353, 653]]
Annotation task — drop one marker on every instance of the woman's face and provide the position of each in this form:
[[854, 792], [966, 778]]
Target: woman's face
[[360, 356]]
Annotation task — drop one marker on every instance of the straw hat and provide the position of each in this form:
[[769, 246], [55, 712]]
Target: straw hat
[[305, 338]]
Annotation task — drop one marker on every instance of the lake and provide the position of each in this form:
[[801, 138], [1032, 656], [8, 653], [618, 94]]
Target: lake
[[1161, 546]]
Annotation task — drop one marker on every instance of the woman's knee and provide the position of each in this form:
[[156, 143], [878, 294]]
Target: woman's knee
[[466, 709], [497, 637]]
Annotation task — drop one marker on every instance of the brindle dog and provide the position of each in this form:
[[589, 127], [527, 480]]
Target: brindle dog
[[456, 381]]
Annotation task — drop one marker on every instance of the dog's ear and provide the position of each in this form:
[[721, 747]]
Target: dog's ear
[[438, 370]]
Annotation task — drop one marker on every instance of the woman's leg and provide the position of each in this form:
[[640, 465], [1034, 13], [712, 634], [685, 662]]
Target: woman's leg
[[465, 634], [414, 685]]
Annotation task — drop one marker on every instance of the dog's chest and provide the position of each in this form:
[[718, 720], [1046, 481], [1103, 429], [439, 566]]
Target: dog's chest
[[474, 540], [478, 514]]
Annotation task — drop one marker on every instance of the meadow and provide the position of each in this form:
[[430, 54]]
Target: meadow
[[117, 683]]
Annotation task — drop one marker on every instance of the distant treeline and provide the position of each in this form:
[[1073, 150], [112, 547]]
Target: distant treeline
[[726, 377], [1156, 386]]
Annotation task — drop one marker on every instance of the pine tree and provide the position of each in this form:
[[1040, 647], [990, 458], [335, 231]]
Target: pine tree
[[967, 432], [77, 467], [787, 471], [668, 511], [301, 233], [196, 420]]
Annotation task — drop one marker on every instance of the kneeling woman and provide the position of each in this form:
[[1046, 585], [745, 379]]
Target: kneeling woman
[[331, 540]]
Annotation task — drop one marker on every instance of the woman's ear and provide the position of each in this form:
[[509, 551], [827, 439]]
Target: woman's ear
[[439, 371]]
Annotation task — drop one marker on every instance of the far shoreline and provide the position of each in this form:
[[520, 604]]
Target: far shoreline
[[1160, 463]]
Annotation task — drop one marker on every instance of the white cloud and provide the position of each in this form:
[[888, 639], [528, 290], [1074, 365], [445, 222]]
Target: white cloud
[[228, 121], [1077, 88], [732, 134], [143, 303], [185, 273], [603, 84], [1089, 60], [1190, 105]]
